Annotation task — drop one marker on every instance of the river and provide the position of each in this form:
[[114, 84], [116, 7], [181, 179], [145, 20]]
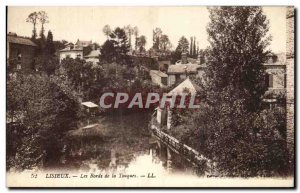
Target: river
[[116, 143]]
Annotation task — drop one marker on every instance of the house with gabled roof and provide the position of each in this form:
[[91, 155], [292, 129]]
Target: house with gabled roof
[[20, 52], [77, 50], [164, 114], [184, 68]]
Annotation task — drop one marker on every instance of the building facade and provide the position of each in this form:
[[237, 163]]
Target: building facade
[[158, 77], [20, 52], [290, 62], [275, 75], [77, 50]]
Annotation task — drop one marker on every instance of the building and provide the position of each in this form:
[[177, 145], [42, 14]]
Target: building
[[77, 50], [183, 68], [164, 115], [20, 52], [158, 77], [290, 67], [71, 52], [275, 75], [83, 43], [164, 65], [93, 56]]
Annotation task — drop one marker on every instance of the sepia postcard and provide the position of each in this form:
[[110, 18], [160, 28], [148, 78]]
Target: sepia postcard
[[144, 97]]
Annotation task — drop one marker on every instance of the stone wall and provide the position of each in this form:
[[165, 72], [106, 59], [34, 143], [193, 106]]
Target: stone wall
[[290, 77]]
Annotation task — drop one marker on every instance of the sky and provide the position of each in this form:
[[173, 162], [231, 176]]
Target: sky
[[86, 23]]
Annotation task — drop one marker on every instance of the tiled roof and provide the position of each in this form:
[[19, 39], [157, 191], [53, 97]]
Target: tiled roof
[[187, 84], [69, 49], [159, 73], [83, 43], [182, 68], [20, 40], [93, 54], [281, 59]]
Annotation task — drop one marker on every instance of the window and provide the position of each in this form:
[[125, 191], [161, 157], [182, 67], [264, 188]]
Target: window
[[164, 80], [284, 81], [269, 80], [19, 55], [177, 78]]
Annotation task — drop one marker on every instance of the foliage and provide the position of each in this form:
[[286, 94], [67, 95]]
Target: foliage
[[140, 43], [42, 113], [33, 18], [231, 127], [107, 30], [108, 51], [43, 18], [116, 48], [46, 63], [238, 41], [182, 47], [50, 47], [242, 143]]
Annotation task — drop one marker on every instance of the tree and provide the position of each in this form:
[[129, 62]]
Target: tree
[[115, 48], [121, 42], [156, 38], [43, 18], [194, 48], [44, 114], [50, 47], [107, 31], [230, 127], [183, 45], [197, 51], [164, 43], [129, 31], [46, 61], [136, 33], [108, 52], [241, 143], [141, 42], [33, 18], [238, 41], [191, 47]]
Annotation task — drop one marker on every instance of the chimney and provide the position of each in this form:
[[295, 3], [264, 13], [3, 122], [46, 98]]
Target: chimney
[[184, 58]]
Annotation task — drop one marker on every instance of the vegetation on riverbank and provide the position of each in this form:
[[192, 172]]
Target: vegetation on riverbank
[[233, 127]]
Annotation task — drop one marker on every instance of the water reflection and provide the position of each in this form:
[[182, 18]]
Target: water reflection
[[120, 143]]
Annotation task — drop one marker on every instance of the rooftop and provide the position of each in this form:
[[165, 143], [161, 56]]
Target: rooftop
[[276, 59], [70, 49], [93, 54], [83, 43], [89, 104], [186, 85], [183, 68], [159, 73], [20, 40]]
